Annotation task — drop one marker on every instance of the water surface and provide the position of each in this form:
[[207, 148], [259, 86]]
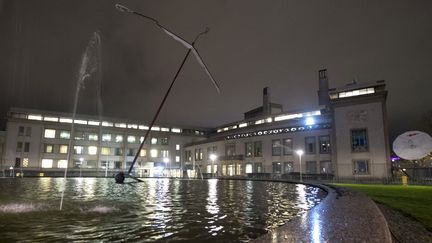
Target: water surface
[[97, 209]]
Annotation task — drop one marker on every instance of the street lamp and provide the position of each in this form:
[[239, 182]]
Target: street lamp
[[300, 153], [81, 161], [212, 157], [167, 160]]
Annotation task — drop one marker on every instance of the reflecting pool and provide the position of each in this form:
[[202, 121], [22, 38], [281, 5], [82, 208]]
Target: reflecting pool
[[98, 209]]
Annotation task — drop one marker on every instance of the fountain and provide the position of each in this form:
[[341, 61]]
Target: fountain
[[90, 67]]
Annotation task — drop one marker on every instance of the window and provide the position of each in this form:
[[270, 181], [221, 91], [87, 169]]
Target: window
[[310, 145], [311, 167], [359, 140], [105, 151], [118, 151], [47, 163], [79, 136], [25, 162], [28, 131], [164, 153], [92, 150], [154, 140], [119, 138], [62, 163], [19, 147], [104, 164], [277, 167], [17, 162], [324, 143], [26, 147], [248, 168], [188, 155], [48, 148], [64, 134], [325, 167], [78, 149], [200, 154], [177, 159], [20, 131], [49, 133], [164, 141], [276, 147], [177, 147], [288, 167], [258, 168], [63, 149], [360, 167], [230, 149], [143, 152], [131, 152], [197, 154], [131, 139], [117, 164], [288, 146], [91, 163], [153, 153], [92, 137], [106, 137], [248, 149], [258, 149]]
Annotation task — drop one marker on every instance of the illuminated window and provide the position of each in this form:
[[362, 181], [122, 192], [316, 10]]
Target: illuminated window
[[82, 122], [164, 153], [131, 139], [106, 137], [177, 159], [94, 123], [121, 125], [176, 130], [133, 126], [92, 137], [62, 163], [51, 119], [25, 162], [65, 120], [48, 148], [324, 143], [35, 117], [119, 138], [107, 124], [165, 129], [153, 153], [143, 152], [63, 149], [64, 134], [154, 141], [47, 163], [49, 133], [92, 150], [248, 168], [177, 147], [155, 128], [78, 149], [105, 151]]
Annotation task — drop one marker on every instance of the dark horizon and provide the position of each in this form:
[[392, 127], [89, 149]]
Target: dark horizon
[[250, 45]]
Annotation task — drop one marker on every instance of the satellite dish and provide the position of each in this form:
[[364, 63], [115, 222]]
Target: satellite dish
[[413, 145]]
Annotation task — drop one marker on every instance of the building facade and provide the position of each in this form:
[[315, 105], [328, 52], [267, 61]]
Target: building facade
[[344, 136]]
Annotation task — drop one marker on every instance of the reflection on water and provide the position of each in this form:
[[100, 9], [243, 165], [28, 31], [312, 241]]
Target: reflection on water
[[157, 209]]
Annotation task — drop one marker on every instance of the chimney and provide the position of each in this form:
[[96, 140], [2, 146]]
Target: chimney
[[266, 101], [323, 95]]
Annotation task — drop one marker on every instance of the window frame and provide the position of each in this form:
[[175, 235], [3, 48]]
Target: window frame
[[353, 150]]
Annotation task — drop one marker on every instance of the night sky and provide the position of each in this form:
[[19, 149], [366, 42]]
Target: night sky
[[251, 44]]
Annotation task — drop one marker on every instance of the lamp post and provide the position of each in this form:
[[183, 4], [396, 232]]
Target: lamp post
[[167, 160], [81, 161], [300, 153], [213, 157]]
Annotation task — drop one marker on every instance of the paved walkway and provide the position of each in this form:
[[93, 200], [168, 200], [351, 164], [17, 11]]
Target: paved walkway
[[343, 216]]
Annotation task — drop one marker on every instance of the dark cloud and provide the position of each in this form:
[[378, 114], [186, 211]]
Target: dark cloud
[[251, 44]]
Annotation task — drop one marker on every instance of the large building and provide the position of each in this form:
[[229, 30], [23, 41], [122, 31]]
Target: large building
[[344, 136]]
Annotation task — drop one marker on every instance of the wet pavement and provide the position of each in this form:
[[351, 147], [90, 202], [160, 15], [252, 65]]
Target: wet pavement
[[344, 216]]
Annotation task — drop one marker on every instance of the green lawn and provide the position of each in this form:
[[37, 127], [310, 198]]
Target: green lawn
[[415, 201]]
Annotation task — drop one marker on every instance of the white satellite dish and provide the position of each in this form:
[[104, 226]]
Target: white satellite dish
[[413, 145]]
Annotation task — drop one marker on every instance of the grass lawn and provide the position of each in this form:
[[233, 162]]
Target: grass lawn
[[415, 201]]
